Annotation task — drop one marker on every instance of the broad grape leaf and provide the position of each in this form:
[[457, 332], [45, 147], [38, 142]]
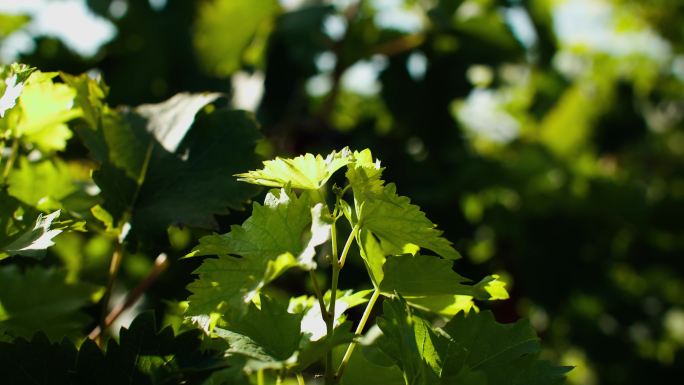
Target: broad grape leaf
[[40, 299], [169, 120], [270, 334], [401, 226], [505, 354], [410, 341], [430, 283], [271, 337], [307, 172], [143, 181], [279, 235], [471, 349], [370, 362]]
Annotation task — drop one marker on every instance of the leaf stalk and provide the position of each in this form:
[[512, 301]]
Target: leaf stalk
[[359, 330]]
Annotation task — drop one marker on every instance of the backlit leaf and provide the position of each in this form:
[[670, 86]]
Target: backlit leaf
[[275, 238], [305, 172]]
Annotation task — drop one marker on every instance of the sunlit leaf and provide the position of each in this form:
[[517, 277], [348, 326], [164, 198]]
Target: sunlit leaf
[[305, 172], [271, 241]]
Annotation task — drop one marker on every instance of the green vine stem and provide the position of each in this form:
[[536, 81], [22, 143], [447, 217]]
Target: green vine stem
[[319, 296], [347, 245], [10, 161], [337, 264], [300, 379], [358, 332], [330, 319]]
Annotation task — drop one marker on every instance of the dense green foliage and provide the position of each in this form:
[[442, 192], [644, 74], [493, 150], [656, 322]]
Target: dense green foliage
[[159, 165], [544, 137]]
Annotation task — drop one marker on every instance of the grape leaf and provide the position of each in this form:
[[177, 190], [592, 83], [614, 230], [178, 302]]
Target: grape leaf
[[401, 226], [45, 108], [143, 181], [14, 77], [269, 334], [169, 120], [430, 283], [35, 183], [40, 299], [410, 341], [25, 231], [307, 172], [271, 337], [372, 255], [33, 242], [90, 95], [470, 349], [271, 241], [364, 364], [421, 275], [505, 354]]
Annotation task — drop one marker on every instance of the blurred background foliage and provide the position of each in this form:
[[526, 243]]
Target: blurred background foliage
[[544, 136]]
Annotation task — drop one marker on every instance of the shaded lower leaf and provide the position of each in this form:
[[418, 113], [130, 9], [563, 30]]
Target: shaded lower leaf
[[37, 361], [269, 334], [506, 354], [430, 283], [143, 356], [40, 299], [409, 340]]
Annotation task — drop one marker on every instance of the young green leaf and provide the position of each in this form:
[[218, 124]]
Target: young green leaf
[[45, 109], [279, 235], [43, 183], [401, 226], [307, 172]]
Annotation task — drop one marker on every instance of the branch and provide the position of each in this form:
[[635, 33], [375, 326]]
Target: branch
[[160, 265]]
